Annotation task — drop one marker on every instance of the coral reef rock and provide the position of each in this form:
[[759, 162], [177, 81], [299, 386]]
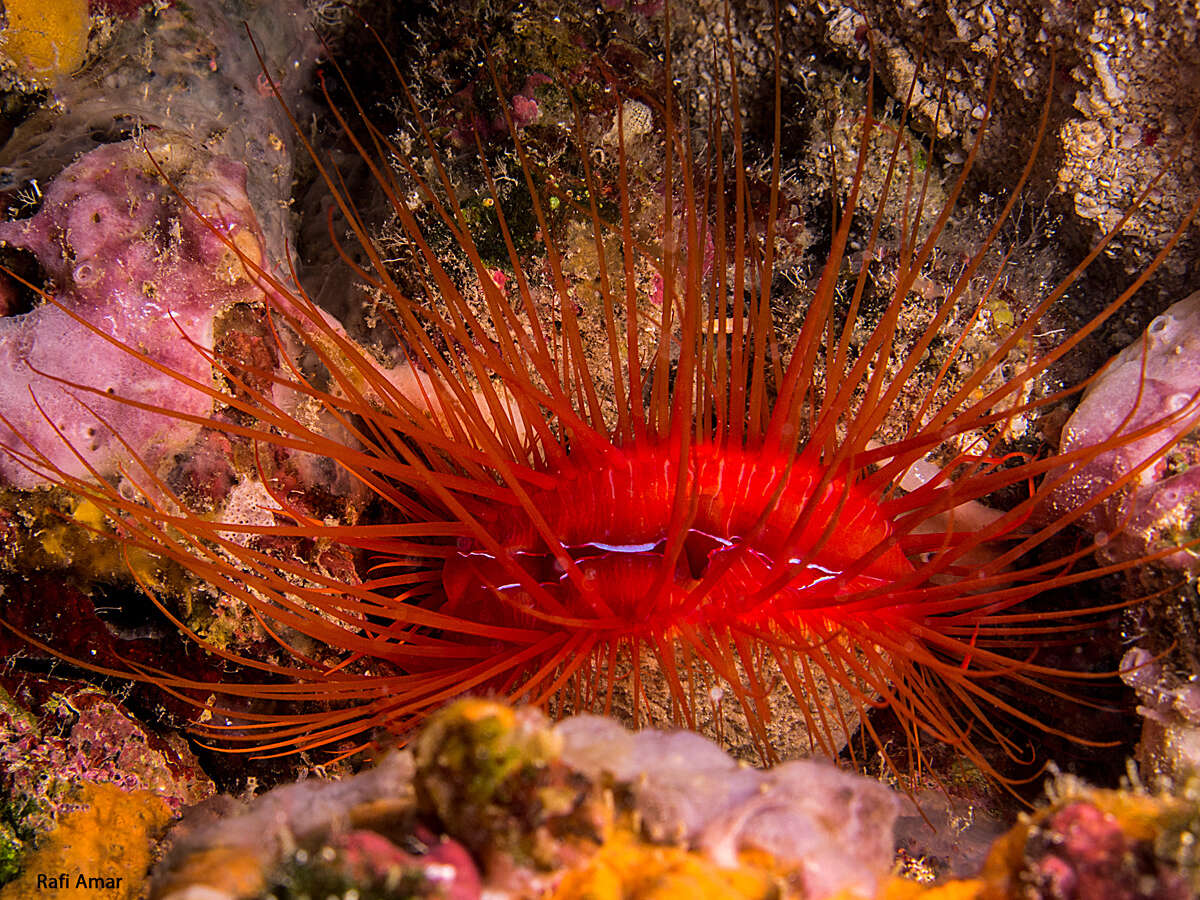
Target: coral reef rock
[[1091, 844], [833, 827], [59, 740], [500, 801], [1141, 497], [1170, 707], [1128, 71], [232, 849]]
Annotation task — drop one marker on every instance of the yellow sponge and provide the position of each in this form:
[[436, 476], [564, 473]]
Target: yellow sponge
[[45, 40], [101, 849]]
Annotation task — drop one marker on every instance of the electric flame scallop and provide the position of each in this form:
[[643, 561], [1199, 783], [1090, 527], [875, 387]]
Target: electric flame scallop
[[674, 493]]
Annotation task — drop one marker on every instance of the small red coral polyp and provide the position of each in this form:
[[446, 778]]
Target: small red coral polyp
[[768, 538]]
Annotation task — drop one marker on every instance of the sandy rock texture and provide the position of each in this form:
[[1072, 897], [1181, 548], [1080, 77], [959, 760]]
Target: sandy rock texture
[[1127, 84]]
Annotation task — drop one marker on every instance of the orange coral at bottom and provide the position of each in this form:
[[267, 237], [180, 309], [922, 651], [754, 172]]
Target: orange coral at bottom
[[903, 889], [625, 869], [99, 850], [629, 869]]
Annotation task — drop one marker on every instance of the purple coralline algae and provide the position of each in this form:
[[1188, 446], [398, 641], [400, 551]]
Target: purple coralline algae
[[1083, 851], [70, 733], [57, 737], [1141, 496], [126, 261]]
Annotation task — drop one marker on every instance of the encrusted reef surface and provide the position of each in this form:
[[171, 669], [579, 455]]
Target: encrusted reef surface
[[498, 802], [146, 272], [1129, 80], [85, 789], [188, 72], [1157, 505]]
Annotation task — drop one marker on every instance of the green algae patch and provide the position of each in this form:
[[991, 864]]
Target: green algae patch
[[492, 777]]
